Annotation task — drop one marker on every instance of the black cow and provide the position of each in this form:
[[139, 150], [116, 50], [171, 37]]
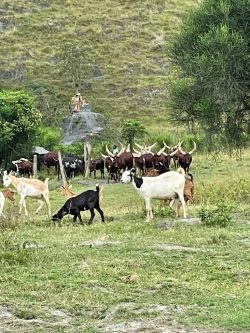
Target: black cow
[[88, 200]]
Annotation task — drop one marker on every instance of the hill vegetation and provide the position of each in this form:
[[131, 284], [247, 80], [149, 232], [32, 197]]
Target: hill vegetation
[[114, 50]]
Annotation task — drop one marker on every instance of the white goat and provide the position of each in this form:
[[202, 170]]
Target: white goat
[[33, 188], [168, 185]]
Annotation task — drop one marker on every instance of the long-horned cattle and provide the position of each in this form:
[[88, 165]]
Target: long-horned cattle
[[32, 188], [184, 158], [169, 185], [121, 161]]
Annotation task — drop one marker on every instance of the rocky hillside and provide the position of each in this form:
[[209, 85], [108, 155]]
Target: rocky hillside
[[115, 50]]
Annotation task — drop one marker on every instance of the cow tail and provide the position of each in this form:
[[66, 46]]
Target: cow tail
[[181, 171]]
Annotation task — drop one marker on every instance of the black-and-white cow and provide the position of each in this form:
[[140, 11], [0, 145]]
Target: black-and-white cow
[[73, 166]]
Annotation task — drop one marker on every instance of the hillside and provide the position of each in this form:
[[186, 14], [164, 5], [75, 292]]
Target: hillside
[[124, 70]]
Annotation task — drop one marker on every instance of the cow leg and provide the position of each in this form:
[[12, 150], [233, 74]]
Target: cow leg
[[92, 215]]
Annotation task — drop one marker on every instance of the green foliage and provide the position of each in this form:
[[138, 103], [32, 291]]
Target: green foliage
[[19, 120], [212, 51], [219, 216], [131, 130], [48, 137]]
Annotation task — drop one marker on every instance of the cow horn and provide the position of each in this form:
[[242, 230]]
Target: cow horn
[[191, 151], [174, 152], [138, 145], [180, 150], [104, 156], [122, 150], [161, 151], [149, 152], [108, 151], [150, 147], [137, 152], [166, 144], [178, 144]]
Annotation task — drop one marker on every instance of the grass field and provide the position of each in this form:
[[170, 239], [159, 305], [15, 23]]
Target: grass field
[[128, 275]]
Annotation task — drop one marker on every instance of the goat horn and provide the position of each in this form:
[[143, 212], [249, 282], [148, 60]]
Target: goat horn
[[108, 151], [191, 151]]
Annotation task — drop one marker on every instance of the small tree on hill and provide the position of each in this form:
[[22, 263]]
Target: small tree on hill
[[132, 129], [19, 121]]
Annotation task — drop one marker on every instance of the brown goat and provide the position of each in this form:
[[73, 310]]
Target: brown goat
[[8, 193], [189, 188], [69, 194]]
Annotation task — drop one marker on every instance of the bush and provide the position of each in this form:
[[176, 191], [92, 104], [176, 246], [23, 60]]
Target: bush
[[219, 216]]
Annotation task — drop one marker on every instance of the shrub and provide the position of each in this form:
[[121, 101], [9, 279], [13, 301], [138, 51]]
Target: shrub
[[219, 216]]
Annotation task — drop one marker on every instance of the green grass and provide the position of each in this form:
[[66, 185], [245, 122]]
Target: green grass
[[182, 275]]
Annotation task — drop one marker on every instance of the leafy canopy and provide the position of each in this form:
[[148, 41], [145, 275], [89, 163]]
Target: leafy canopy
[[132, 129], [19, 121], [212, 87]]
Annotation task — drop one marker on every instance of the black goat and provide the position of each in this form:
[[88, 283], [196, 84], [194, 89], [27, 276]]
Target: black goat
[[88, 200]]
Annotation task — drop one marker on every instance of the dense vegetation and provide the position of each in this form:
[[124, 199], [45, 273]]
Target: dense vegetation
[[212, 90]]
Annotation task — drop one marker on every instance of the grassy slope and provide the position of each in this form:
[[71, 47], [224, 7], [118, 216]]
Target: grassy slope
[[126, 42]]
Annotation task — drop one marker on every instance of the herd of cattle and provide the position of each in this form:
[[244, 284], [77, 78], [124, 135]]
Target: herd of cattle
[[144, 160], [153, 167]]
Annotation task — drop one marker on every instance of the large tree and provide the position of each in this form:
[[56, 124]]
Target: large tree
[[212, 56], [19, 122]]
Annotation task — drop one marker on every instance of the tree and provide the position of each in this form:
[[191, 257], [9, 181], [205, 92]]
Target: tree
[[132, 129], [75, 64], [212, 53], [19, 121]]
